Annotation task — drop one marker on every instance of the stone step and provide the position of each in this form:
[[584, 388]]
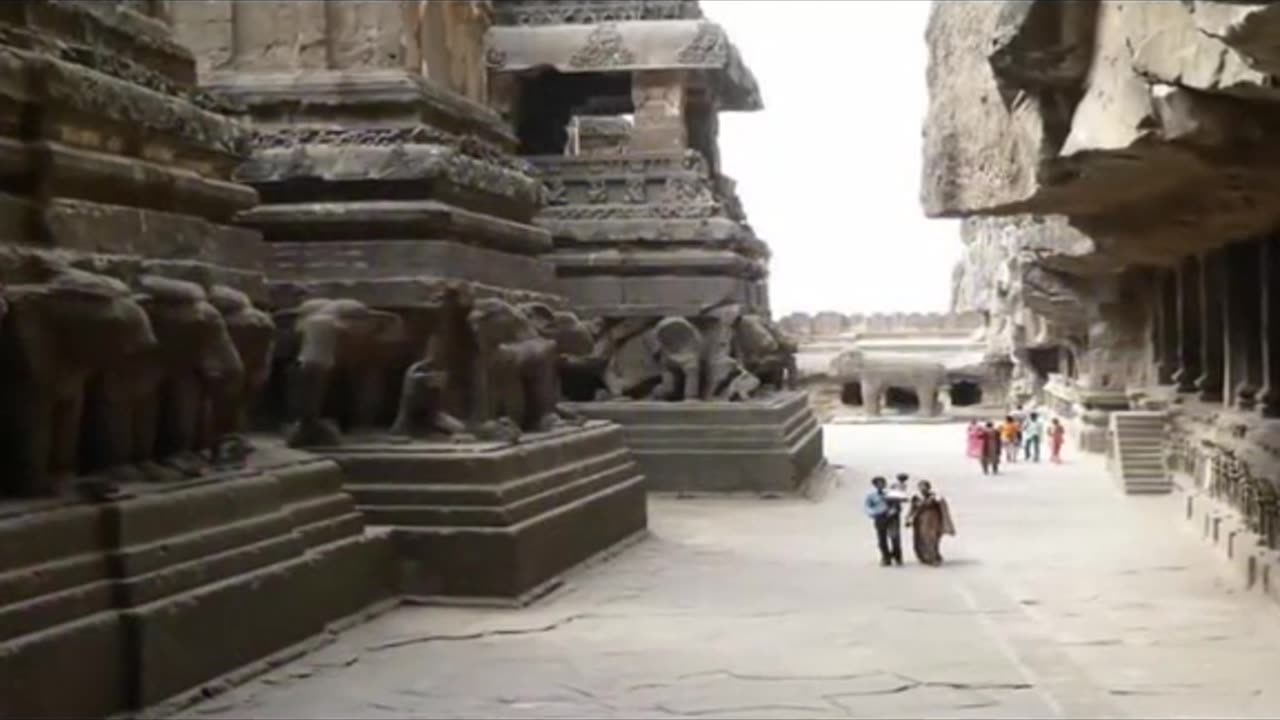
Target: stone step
[[452, 494], [499, 516]]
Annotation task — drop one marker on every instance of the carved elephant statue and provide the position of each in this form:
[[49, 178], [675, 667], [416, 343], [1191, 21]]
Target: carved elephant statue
[[253, 333], [878, 373], [517, 378], [435, 388], [725, 377], [328, 337], [581, 360], [680, 352], [56, 334], [157, 405], [766, 352], [632, 369]]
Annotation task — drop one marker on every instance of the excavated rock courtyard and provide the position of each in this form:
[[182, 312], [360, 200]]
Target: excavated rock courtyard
[[1061, 598]]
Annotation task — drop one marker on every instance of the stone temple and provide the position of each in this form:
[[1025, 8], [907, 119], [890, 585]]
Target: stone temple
[[1115, 167], [376, 300]]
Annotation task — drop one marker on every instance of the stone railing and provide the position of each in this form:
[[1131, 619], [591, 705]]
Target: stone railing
[[829, 323]]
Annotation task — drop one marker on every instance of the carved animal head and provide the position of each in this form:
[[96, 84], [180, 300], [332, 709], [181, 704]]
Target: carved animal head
[[228, 300], [848, 364], [572, 336], [495, 321], [676, 336], [541, 316], [754, 338]]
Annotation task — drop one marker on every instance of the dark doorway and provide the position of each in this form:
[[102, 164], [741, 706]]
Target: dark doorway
[[965, 393], [901, 399], [851, 394]]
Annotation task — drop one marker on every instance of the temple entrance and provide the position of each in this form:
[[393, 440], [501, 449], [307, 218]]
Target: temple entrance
[[901, 399], [964, 393], [851, 394]]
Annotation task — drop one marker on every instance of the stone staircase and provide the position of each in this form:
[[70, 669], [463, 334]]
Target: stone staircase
[[1138, 452]]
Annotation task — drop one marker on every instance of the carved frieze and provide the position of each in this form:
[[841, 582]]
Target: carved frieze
[[630, 212], [635, 189], [708, 47], [576, 12], [468, 145], [604, 49], [597, 192]]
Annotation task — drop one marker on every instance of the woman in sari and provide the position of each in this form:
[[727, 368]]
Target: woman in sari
[[930, 519], [974, 440]]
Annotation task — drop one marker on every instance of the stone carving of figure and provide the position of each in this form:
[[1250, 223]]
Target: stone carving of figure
[[328, 336], [516, 387], [726, 379], [426, 399], [680, 347], [194, 361], [58, 331], [766, 352], [632, 368], [253, 333]]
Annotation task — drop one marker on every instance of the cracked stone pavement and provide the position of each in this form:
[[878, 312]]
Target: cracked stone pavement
[[1061, 597]]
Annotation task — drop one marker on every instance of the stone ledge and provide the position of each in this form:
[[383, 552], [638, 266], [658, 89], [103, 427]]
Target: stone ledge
[[1250, 562]]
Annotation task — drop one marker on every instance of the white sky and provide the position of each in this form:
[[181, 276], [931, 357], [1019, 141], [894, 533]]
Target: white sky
[[829, 171]]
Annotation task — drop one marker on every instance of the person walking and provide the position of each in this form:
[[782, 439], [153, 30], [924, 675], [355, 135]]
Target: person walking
[[929, 519], [990, 457], [1010, 433], [973, 438], [1057, 434], [886, 514], [1032, 432]]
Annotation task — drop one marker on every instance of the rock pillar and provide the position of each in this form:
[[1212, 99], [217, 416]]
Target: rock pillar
[[1165, 326], [1244, 327], [1188, 280], [1269, 314], [1213, 269], [659, 99]]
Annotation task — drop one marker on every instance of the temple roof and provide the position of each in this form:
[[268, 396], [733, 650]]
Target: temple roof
[[696, 45]]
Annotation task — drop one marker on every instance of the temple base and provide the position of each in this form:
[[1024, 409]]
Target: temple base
[[494, 520], [169, 586], [766, 446]]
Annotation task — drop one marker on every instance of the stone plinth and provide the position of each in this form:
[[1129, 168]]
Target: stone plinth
[[767, 446], [644, 234], [497, 520], [147, 596]]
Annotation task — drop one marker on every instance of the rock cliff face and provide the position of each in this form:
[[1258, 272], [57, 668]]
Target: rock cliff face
[[1088, 144]]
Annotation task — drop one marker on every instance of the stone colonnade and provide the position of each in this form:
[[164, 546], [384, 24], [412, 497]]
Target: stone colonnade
[[1216, 327]]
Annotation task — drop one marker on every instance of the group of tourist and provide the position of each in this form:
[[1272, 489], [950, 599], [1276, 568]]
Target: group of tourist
[[927, 515], [1020, 434]]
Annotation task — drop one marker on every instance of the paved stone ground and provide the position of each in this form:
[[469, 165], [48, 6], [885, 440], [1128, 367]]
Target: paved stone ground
[[1060, 598]]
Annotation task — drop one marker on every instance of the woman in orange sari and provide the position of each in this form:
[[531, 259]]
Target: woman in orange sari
[[930, 519]]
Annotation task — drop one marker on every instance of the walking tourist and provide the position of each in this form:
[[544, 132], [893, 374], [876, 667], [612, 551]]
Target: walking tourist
[[973, 438], [929, 519], [1032, 432], [1010, 437], [886, 514], [1057, 434], [990, 457]]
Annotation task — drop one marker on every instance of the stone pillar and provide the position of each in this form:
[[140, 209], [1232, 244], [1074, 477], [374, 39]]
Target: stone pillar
[[1244, 326], [1213, 269], [1188, 280], [1165, 320], [659, 99], [1269, 314]]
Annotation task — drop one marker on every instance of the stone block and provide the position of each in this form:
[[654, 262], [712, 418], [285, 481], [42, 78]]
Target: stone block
[[766, 446], [494, 520]]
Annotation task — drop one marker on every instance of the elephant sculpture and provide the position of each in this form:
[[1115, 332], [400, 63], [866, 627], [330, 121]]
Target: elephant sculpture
[[516, 387], [58, 332], [632, 369], [878, 373], [581, 363], [766, 352], [679, 354], [725, 376], [157, 406], [253, 333], [329, 337], [428, 388]]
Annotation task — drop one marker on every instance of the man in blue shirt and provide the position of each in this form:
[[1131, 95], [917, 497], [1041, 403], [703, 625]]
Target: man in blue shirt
[[886, 513]]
